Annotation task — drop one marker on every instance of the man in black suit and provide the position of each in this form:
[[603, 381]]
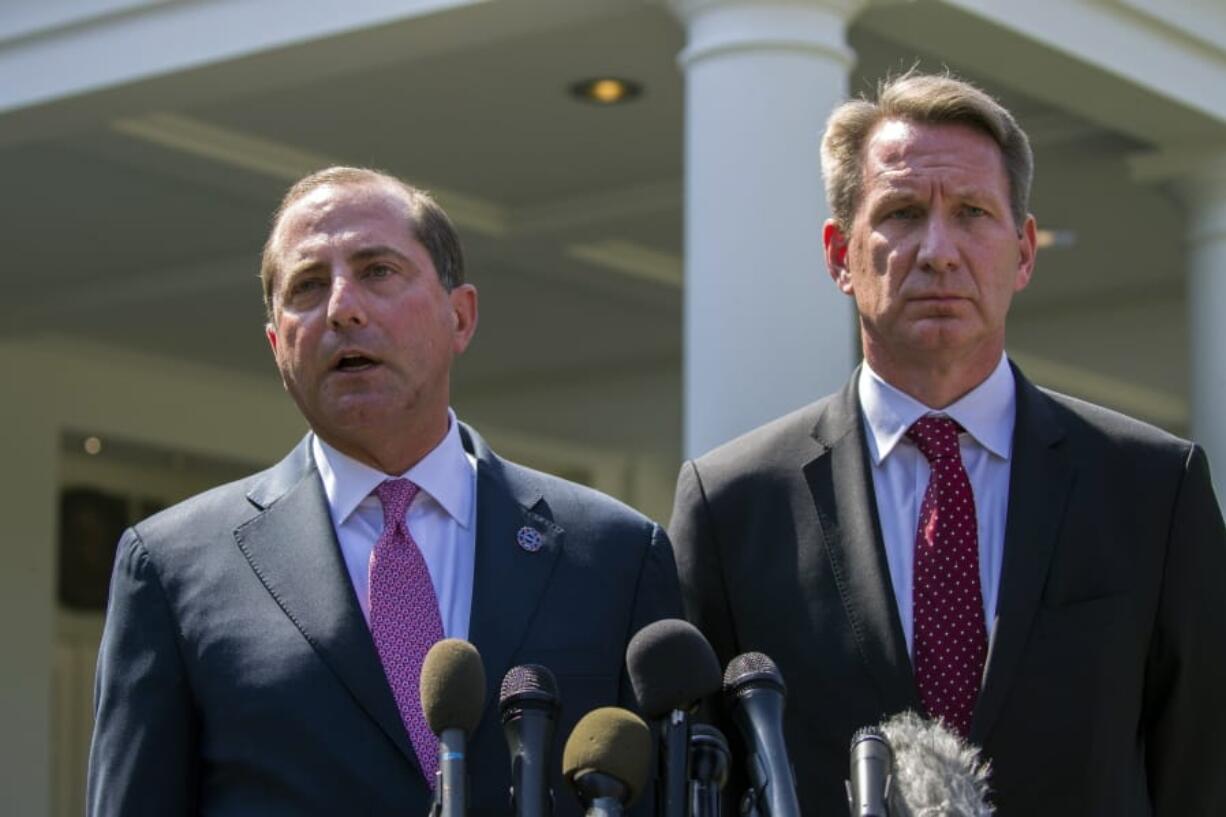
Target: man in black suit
[[941, 535], [259, 656]]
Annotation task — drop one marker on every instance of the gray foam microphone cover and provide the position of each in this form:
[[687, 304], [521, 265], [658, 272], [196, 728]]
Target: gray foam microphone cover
[[671, 666]]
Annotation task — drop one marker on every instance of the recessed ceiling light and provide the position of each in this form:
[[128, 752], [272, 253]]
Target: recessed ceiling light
[[92, 446], [606, 90]]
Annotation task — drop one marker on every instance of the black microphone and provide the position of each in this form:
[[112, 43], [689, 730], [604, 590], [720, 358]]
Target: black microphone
[[452, 697], [672, 667], [754, 689], [606, 760], [872, 769], [710, 759], [529, 703], [935, 771]]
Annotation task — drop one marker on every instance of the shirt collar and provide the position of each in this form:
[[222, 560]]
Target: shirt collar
[[987, 412], [448, 474]]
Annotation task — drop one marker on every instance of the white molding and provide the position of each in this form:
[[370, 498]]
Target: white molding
[[1197, 176], [632, 259], [1114, 37], [1200, 21], [598, 208], [1170, 165], [39, 19], [1130, 398], [717, 28], [287, 162], [1051, 128], [106, 50]]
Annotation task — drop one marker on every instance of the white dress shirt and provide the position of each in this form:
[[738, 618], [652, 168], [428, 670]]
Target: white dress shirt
[[442, 520], [900, 475]]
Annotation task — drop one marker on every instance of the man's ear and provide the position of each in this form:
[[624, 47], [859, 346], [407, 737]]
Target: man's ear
[[835, 243], [270, 332], [1027, 247], [464, 310]]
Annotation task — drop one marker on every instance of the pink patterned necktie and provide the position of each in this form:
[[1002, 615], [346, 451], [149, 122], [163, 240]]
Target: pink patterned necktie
[[404, 616], [950, 637]]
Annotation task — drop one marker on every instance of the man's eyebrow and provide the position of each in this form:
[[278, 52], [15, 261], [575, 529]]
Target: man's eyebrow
[[302, 268], [378, 251], [974, 192], [364, 254], [893, 195]]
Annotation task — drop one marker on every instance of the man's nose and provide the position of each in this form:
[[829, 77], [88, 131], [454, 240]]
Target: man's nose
[[345, 305], [938, 251]]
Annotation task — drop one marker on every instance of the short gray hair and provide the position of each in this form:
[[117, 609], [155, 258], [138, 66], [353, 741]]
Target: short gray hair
[[426, 221], [925, 99]]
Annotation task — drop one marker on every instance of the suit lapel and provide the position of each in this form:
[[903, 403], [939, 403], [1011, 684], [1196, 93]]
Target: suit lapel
[[847, 512], [1039, 483], [508, 579], [292, 547]]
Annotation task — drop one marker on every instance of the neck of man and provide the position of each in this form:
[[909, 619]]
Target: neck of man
[[936, 380], [394, 450]]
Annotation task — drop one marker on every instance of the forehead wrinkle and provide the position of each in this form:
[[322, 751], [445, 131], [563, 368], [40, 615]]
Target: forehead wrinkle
[[908, 178]]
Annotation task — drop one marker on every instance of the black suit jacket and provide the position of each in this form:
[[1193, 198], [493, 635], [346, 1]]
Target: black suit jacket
[[1105, 687], [237, 675]]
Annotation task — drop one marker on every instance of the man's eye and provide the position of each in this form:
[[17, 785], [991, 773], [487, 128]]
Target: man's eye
[[904, 213], [306, 285], [973, 211], [380, 270]]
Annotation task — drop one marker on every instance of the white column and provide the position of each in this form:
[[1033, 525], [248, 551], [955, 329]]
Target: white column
[[30, 450], [765, 329], [1204, 193], [1198, 178]]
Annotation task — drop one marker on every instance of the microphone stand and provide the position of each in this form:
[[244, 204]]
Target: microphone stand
[[710, 759], [452, 794], [671, 795]]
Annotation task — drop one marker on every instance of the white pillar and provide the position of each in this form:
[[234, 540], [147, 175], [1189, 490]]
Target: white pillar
[[1198, 178], [29, 447], [765, 329], [1204, 193]]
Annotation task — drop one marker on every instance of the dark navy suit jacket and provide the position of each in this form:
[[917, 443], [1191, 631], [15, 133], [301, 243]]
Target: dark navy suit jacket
[[237, 675], [1105, 687]]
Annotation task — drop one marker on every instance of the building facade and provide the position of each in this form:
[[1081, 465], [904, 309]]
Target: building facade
[[650, 272]]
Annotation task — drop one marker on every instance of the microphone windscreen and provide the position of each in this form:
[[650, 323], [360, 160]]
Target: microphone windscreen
[[671, 666], [452, 686], [528, 684], [935, 771], [610, 740], [752, 669]]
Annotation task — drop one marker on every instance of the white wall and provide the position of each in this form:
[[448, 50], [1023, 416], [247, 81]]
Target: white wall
[[56, 384]]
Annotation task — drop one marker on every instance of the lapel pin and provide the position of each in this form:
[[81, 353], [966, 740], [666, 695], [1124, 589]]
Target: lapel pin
[[529, 539]]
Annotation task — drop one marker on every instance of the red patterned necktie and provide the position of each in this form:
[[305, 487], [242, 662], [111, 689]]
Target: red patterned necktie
[[950, 636], [404, 616]]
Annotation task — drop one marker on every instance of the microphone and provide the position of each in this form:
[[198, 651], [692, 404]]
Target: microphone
[[606, 760], [452, 697], [872, 767], [672, 667], [754, 689], [710, 760], [935, 771], [529, 703]]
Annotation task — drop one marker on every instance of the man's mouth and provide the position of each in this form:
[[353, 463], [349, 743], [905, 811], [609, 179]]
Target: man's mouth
[[355, 363]]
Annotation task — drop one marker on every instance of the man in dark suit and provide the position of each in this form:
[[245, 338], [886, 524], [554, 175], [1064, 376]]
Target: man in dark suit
[[1042, 574], [263, 640]]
